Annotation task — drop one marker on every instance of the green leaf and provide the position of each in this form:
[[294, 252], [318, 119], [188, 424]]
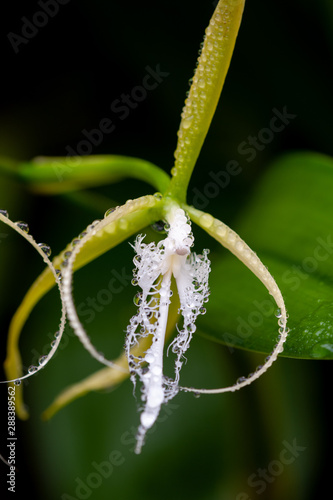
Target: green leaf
[[288, 222]]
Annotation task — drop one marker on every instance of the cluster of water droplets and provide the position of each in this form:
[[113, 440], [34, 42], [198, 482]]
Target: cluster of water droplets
[[154, 266], [44, 250], [148, 262], [198, 104], [231, 240], [115, 221], [193, 291]]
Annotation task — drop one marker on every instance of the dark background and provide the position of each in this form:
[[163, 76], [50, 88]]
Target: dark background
[[64, 80]]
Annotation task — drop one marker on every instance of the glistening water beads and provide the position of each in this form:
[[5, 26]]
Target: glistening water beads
[[44, 250], [156, 263], [155, 266]]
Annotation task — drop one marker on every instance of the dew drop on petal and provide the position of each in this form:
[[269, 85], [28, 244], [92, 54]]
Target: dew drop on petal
[[150, 358], [137, 299], [23, 226], [58, 273], [4, 212], [109, 211], [42, 360], [45, 248], [75, 242]]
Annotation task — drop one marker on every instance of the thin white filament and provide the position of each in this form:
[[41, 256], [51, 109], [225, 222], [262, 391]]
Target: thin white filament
[[56, 342], [228, 238]]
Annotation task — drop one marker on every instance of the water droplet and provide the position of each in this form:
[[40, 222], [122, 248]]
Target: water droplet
[[75, 242], [53, 343], [187, 122], [45, 248], [17, 382], [23, 226], [206, 220], [64, 263], [58, 273], [191, 328], [56, 335], [134, 282], [157, 370], [145, 371], [32, 369], [240, 380], [67, 254], [42, 360], [201, 83], [150, 358], [159, 226], [4, 212], [123, 224], [137, 259], [158, 196], [109, 211], [197, 394], [137, 299], [202, 310], [82, 235]]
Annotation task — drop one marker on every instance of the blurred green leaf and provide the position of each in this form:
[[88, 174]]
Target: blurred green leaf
[[288, 223]]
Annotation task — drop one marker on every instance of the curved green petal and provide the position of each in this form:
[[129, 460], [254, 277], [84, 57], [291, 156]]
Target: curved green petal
[[136, 215], [54, 175], [13, 363], [205, 91], [230, 240]]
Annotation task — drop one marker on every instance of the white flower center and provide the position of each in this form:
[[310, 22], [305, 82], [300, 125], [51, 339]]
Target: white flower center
[[155, 265]]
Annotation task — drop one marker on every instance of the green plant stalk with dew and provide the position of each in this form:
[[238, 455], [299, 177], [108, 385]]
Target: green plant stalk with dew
[[157, 265]]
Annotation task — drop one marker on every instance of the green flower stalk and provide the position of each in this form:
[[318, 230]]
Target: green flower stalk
[[157, 266]]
